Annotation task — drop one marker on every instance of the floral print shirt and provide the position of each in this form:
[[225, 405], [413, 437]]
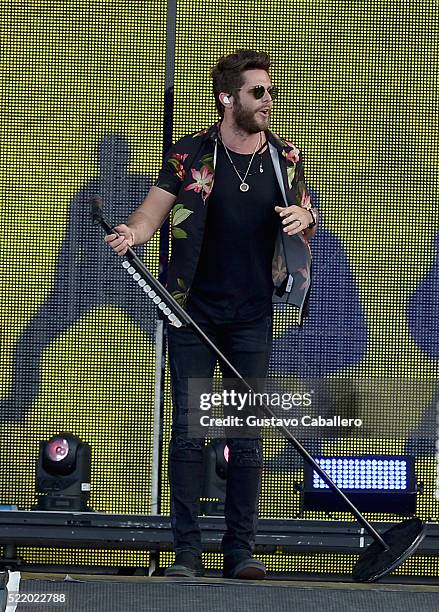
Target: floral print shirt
[[189, 174]]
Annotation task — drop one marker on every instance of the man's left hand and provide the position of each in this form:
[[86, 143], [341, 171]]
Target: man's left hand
[[295, 219]]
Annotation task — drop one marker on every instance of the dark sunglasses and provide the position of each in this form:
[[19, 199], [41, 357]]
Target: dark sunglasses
[[259, 90]]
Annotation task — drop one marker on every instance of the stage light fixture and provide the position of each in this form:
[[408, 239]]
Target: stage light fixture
[[374, 483], [63, 474], [216, 456]]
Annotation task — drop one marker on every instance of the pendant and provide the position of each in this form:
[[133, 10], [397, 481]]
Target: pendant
[[244, 187]]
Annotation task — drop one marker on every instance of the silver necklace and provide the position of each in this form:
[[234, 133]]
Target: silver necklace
[[243, 186]]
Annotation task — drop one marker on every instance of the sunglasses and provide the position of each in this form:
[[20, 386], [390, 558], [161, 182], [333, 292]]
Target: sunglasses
[[259, 90]]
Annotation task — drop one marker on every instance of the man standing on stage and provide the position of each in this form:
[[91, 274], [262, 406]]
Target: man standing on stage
[[241, 221]]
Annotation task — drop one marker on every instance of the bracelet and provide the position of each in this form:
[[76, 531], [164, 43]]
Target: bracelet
[[314, 219]]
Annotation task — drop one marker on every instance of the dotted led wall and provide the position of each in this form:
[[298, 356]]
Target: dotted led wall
[[82, 114], [358, 95], [82, 95]]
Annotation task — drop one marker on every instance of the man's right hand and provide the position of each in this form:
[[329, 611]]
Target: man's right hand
[[146, 220], [120, 243]]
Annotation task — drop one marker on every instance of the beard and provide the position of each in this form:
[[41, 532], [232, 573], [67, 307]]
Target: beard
[[248, 121]]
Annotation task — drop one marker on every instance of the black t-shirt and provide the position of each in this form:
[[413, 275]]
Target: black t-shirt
[[233, 281]]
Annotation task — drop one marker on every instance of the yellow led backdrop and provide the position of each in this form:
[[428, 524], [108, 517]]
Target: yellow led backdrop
[[82, 112], [358, 93], [85, 80]]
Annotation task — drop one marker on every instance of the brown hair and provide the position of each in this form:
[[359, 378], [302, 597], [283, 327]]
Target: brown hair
[[227, 74]]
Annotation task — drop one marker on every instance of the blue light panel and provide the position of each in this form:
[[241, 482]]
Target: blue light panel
[[363, 474]]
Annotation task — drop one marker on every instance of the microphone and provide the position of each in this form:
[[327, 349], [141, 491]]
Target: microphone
[[96, 209], [140, 273]]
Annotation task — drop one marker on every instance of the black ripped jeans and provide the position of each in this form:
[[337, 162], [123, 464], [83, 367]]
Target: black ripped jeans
[[247, 345]]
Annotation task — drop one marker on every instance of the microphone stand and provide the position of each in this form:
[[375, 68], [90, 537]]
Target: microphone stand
[[388, 550]]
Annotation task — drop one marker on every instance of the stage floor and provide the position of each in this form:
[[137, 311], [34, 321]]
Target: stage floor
[[135, 594]]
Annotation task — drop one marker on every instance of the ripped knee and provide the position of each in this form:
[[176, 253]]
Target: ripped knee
[[245, 452], [183, 448]]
